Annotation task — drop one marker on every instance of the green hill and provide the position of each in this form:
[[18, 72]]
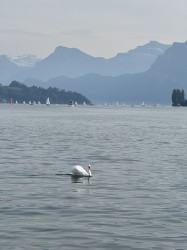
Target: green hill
[[20, 93]]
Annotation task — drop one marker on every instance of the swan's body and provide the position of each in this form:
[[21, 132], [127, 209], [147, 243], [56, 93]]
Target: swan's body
[[79, 171]]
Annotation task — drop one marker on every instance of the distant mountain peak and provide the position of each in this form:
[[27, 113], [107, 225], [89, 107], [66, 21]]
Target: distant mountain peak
[[151, 49], [66, 50], [153, 42], [61, 49]]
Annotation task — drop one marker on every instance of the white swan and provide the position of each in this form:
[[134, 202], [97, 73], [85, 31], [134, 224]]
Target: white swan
[[79, 171]]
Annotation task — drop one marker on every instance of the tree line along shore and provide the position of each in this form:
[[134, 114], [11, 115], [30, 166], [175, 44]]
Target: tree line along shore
[[17, 92], [178, 98], [20, 93]]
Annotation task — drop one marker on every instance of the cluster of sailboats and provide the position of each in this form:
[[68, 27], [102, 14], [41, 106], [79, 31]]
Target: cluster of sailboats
[[31, 103], [71, 103]]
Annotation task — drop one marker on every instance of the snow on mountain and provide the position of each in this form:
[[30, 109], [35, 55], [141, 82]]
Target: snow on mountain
[[26, 60]]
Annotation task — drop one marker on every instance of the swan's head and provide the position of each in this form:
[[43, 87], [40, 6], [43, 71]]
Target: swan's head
[[89, 166]]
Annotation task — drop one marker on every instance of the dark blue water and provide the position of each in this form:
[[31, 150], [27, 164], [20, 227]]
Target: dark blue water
[[136, 199]]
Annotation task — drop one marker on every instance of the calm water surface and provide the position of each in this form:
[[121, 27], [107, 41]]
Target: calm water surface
[[136, 199]]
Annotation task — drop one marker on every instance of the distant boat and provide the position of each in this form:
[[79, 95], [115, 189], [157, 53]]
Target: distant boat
[[48, 101], [16, 102], [34, 103], [76, 103], [29, 102], [24, 102], [84, 103], [71, 104], [143, 104], [39, 102]]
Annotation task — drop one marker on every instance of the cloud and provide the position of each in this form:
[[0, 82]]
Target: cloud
[[21, 33], [78, 33]]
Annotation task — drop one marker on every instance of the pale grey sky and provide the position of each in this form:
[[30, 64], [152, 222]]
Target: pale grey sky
[[97, 27]]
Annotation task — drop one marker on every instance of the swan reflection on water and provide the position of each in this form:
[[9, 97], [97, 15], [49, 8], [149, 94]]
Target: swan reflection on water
[[79, 179]]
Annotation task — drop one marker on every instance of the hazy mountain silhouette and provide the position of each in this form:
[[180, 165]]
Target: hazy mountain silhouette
[[155, 85], [72, 62], [7, 69], [65, 61], [137, 60]]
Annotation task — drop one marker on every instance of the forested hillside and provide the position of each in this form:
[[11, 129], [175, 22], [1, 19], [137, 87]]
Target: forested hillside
[[21, 93]]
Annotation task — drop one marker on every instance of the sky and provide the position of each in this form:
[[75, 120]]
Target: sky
[[97, 27]]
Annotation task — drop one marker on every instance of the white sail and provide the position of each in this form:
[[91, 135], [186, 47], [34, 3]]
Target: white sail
[[48, 101]]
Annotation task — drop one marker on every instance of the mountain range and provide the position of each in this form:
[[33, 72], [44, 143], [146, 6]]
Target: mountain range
[[153, 86], [147, 73], [72, 62]]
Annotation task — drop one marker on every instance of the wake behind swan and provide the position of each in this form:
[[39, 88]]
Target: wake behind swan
[[80, 171]]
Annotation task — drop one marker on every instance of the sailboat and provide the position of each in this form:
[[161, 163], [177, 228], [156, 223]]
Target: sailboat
[[71, 104], [48, 101]]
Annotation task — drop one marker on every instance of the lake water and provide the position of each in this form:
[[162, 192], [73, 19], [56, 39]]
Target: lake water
[[136, 199]]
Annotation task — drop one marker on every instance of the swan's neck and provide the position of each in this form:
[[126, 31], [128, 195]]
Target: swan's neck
[[89, 172]]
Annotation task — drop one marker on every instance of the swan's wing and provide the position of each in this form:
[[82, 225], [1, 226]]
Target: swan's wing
[[79, 170]]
